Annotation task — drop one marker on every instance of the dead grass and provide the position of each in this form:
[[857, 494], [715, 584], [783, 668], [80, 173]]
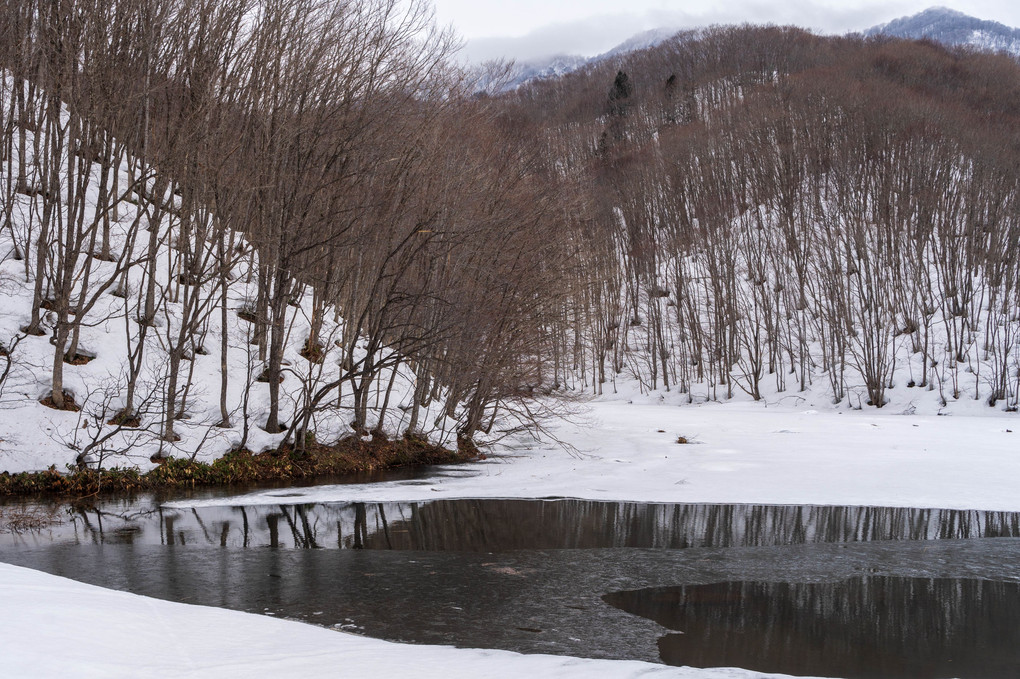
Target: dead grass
[[241, 467]]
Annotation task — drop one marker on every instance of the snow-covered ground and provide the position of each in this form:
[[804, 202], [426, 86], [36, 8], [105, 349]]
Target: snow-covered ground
[[738, 453], [34, 437]]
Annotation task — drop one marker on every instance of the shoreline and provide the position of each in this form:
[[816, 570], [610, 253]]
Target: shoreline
[[238, 468]]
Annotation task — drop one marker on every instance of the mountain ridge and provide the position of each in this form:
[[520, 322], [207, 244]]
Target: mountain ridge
[[560, 64], [954, 28], [941, 24]]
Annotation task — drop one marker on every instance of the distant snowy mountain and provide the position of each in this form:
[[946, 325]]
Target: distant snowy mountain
[[549, 67], [941, 24], [640, 41], [561, 64], [950, 27]]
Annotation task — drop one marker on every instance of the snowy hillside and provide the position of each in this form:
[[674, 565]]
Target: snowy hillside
[[541, 69], [34, 436], [940, 24], [562, 64], [197, 256], [641, 41], [950, 27], [668, 224], [755, 265]]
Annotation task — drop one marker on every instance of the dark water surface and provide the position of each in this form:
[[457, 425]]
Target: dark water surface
[[867, 626], [831, 591]]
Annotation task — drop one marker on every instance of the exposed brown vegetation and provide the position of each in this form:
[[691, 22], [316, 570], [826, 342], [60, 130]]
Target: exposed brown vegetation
[[79, 359], [239, 467], [125, 419], [313, 352], [66, 403]]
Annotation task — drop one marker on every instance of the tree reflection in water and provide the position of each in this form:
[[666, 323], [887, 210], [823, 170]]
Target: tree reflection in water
[[498, 525], [873, 626]]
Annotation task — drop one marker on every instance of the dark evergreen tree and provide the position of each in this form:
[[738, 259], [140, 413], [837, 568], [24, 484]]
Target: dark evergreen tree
[[619, 95]]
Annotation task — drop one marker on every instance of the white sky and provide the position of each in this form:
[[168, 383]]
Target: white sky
[[526, 29]]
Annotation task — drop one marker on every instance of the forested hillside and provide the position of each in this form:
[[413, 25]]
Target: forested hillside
[[259, 218], [950, 27], [762, 210], [280, 221]]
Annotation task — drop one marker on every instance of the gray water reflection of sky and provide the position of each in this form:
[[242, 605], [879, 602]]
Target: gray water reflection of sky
[[531, 29]]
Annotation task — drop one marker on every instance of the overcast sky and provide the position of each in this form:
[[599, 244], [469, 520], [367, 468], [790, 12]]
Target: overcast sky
[[527, 29]]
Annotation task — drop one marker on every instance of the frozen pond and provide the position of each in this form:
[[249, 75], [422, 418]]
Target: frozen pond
[[840, 591]]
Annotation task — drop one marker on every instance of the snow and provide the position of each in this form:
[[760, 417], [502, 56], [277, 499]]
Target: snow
[[953, 28], [739, 453], [55, 627]]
